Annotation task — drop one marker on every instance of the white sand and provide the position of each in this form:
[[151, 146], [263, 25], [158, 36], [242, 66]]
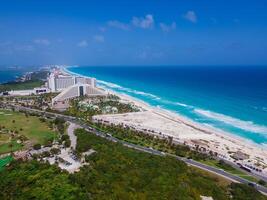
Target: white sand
[[165, 123], [157, 120]]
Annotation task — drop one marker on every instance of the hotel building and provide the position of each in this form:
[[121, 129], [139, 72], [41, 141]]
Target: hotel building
[[61, 101], [58, 82]]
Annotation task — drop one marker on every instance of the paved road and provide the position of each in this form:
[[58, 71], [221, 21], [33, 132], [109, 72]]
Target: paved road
[[71, 134], [202, 166]]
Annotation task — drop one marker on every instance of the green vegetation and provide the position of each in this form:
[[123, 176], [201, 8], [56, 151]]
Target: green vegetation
[[245, 192], [166, 145], [22, 127], [87, 107], [37, 146], [117, 172], [34, 180], [39, 75], [226, 167], [36, 77], [4, 161], [149, 140], [10, 147], [20, 85]]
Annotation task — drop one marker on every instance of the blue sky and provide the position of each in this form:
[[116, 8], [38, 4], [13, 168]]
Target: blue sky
[[134, 32]]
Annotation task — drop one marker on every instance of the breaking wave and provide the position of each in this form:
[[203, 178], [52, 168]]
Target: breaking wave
[[244, 125], [124, 89]]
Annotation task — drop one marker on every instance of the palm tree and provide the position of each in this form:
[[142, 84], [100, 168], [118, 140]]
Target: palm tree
[[10, 146]]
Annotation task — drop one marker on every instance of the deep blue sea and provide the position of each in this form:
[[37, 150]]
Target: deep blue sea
[[9, 75], [233, 99]]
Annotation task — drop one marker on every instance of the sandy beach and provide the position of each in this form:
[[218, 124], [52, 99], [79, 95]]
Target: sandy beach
[[165, 123]]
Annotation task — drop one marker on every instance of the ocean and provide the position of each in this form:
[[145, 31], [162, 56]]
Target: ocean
[[232, 99], [9, 75]]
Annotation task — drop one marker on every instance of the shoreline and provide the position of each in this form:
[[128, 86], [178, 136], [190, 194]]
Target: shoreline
[[185, 119], [218, 140]]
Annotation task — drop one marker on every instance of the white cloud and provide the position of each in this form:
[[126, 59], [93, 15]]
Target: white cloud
[[167, 28], [44, 42], [99, 38], [82, 43], [191, 16], [119, 25], [24, 48], [143, 22]]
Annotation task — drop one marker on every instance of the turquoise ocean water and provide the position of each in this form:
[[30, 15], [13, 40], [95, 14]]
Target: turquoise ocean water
[[233, 99]]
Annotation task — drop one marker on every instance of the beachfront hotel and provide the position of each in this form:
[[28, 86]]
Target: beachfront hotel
[[61, 101], [58, 81]]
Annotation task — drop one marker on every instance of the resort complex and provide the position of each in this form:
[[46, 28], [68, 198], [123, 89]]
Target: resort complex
[[61, 101], [71, 115], [133, 100], [59, 80]]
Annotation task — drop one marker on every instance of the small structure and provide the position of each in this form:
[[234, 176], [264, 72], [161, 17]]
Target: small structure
[[240, 156], [61, 102], [35, 91], [21, 155]]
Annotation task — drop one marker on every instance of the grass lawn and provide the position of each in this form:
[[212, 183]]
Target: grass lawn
[[31, 127], [6, 148], [4, 161]]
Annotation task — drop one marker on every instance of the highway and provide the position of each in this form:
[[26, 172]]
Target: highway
[[190, 162]]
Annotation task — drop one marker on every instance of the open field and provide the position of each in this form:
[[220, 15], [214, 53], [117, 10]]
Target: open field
[[20, 86], [6, 147], [27, 126]]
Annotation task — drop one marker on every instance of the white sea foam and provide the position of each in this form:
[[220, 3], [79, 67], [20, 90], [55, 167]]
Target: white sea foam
[[181, 104], [145, 94], [111, 85], [164, 101], [244, 125], [115, 86]]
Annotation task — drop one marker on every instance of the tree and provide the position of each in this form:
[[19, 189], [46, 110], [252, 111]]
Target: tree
[[11, 146], [55, 151], [262, 182], [67, 143], [37, 146]]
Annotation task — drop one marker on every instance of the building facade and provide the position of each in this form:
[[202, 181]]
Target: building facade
[[61, 101], [58, 82]]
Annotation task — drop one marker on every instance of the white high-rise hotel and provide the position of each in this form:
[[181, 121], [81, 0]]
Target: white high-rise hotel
[[58, 81]]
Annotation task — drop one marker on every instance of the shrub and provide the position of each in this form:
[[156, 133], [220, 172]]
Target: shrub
[[55, 151], [67, 143], [262, 182], [65, 137], [48, 143], [37, 146]]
